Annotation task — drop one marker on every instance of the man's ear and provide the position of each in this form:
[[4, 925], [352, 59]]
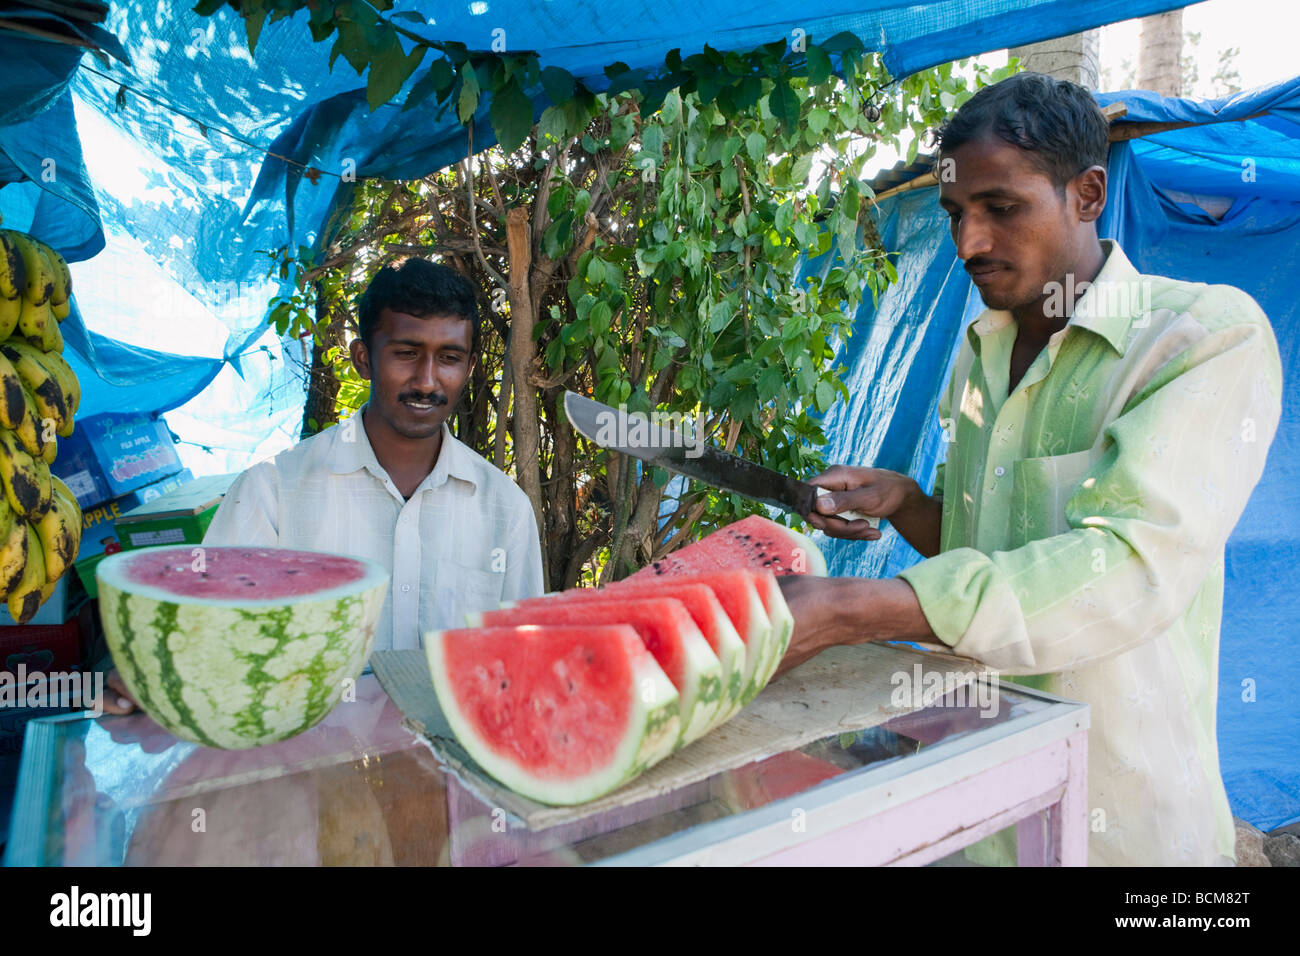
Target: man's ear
[[360, 358], [1090, 190]]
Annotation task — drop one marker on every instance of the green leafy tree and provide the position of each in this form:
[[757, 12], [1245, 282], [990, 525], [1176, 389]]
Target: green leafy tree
[[694, 240]]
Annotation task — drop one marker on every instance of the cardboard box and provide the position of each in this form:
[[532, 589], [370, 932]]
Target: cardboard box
[[178, 517], [112, 454], [99, 535], [42, 647]]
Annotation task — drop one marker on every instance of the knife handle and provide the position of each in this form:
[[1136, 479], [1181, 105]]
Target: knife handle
[[850, 515]]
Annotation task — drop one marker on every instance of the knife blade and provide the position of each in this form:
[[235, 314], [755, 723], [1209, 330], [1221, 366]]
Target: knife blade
[[662, 446]]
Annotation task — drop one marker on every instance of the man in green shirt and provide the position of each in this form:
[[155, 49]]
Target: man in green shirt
[[1105, 430]]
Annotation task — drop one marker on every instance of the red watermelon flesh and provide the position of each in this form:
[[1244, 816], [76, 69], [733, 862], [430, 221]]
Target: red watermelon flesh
[[242, 574], [754, 542], [664, 626], [559, 714], [705, 610], [752, 599]]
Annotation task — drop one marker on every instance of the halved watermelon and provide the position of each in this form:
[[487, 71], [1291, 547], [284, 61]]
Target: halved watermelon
[[238, 647], [754, 542], [665, 627], [559, 714]]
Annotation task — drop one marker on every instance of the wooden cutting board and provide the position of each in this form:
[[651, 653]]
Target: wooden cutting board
[[842, 689]]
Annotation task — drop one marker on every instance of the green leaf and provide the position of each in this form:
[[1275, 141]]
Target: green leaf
[[819, 119], [389, 72], [652, 142], [553, 127], [558, 84], [253, 23], [802, 167], [756, 147], [819, 65], [469, 95], [559, 236], [825, 395], [784, 105], [437, 79], [512, 115]]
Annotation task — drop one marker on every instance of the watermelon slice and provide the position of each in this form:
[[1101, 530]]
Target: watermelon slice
[[238, 647], [663, 625], [559, 714], [707, 613], [754, 542]]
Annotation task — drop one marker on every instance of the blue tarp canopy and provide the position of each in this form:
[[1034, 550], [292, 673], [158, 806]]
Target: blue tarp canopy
[[165, 163], [901, 352]]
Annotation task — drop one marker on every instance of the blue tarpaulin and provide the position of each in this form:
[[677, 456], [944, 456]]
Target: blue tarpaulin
[[181, 175], [901, 352]]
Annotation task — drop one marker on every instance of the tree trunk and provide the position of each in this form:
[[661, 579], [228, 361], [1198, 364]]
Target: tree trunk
[[526, 426], [320, 409], [1160, 49], [1075, 58]]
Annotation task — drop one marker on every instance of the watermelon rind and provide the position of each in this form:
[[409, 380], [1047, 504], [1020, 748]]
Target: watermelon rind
[[652, 731], [815, 560], [780, 619], [237, 674]]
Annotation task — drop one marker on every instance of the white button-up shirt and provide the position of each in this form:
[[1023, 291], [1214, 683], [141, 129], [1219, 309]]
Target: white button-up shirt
[[465, 541]]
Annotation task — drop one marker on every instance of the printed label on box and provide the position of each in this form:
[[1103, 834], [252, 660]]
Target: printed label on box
[[147, 539], [81, 484]]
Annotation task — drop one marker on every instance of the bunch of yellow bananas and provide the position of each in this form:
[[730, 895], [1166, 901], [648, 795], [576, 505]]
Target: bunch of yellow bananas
[[40, 520]]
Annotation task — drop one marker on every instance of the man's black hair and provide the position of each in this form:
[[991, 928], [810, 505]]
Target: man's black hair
[[1056, 121], [421, 288]]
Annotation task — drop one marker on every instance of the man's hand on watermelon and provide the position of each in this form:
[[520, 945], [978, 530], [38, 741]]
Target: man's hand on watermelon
[[886, 494], [831, 611], [117, 699]]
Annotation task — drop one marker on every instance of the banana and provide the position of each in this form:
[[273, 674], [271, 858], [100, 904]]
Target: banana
[[59, 531], [32, 321], [52, 340], [40, 271], [13, 271], [10, 310], [26, 480], [26, 598], [50, 451], [13, 399], [60, 298], [42, 383], [62, 371], [6, 525], [31, 430], [13, 556]]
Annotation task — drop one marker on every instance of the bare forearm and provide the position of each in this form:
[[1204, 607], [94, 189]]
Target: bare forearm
[[832, 611], [918, 521]]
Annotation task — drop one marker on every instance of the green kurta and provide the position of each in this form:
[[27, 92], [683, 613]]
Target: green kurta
[[1084, 522]]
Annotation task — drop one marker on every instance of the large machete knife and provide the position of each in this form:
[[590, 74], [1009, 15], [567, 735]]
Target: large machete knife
[[655, 444]]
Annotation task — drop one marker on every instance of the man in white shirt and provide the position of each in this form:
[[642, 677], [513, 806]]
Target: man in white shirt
[[390, 483]]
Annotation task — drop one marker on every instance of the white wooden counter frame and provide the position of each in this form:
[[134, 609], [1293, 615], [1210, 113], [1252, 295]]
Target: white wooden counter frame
[[1030, 771]]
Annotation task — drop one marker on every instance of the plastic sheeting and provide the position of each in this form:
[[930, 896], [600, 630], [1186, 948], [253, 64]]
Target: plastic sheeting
[[176, 145], [901, 353]]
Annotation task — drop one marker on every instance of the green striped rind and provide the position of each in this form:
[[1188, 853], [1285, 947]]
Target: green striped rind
[[702, 699], [238, 678], [780, 618], [653, 729], [758, 646]]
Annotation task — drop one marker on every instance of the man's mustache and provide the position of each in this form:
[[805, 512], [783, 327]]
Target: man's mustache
[[974, 265], [434, 399]]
